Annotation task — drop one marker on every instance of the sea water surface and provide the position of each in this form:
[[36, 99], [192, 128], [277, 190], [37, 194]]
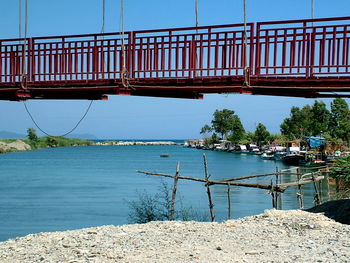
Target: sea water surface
[[57, 189]]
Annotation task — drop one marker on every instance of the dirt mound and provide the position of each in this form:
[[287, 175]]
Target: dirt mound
[[338, 210]]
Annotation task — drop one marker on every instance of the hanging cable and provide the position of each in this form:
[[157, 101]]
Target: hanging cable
[[65, 134], [246, 68], [24, 49], [196, 11], [103, 16], [312, 9], [196, 36], [124, 71], [20, 19], [24, 70], [101, 75]]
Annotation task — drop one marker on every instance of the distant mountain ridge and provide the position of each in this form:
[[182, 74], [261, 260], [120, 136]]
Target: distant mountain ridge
[[11, 135]]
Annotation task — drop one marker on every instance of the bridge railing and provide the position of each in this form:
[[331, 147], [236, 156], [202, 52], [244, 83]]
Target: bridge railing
[[170, 53], [304, 48], [192, 52]]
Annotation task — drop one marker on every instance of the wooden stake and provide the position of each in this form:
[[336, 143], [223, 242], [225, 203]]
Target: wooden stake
[[173, 197], [273, 195], [228, 202], [328, 187], [211, 205], [281, 195], [276, 194], [317, 195], [300, 193]]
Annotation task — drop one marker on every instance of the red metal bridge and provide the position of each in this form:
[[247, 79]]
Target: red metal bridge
[[299, 58]]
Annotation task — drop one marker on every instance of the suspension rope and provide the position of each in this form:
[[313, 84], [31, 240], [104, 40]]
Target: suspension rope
[[196, 36], [196, 11], [124, 71], [246, 68], [20, 20], [312, 11], [24, 70], [24, 49], [103, 16]]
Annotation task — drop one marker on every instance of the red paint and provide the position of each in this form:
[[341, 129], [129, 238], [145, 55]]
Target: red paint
[[300, 58]]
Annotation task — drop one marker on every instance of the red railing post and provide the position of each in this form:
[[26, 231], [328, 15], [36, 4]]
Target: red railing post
[[130, 54], [0, 61], [312, 55], [33, 64], [94, 59], [258, 51], [251, 49]]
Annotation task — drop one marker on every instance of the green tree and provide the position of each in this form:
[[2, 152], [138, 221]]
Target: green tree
[[341, 169], [31, 134], [51, 141], [205, 130], [298, 124], [261, 134], [226, 122], [320, 118], [340, 120]]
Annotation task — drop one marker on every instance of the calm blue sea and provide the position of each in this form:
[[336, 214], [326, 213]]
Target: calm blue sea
[[65, 188]]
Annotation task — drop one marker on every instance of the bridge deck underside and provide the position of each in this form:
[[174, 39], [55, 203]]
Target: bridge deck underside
[[180, 88]]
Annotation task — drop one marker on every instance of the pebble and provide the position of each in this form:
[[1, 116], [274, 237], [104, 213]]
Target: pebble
[[275, 236]]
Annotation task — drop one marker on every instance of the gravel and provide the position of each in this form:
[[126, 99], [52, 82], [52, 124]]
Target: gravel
[[275, 236]]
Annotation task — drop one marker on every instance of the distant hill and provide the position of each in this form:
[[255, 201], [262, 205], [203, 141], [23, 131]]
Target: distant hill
[[11, 135]]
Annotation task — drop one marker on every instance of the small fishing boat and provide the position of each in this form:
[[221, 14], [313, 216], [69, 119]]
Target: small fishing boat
[[164, 155], [293, 156], [268, 156]]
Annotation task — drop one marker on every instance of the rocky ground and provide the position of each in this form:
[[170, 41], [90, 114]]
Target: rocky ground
[[275, 236], [15, 146]]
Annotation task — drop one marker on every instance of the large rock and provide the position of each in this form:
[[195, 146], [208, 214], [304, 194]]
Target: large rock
[[17, 145]]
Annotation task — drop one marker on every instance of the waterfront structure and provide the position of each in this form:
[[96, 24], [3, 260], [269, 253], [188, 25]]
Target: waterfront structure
[[298, 58]]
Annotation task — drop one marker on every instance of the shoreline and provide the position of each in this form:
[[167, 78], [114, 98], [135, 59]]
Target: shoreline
[[19, 145], [131, 143], [278, 236]]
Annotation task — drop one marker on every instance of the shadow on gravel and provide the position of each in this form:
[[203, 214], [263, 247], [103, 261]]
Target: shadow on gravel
[[338, 210]]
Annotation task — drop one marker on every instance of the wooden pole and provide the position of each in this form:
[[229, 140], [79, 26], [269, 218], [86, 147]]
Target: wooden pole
[[281, 195], [228, 202], [211, 205], [300, 193], [173, 196], [317, 196], [320, 190], [210, 182], [276, 193], [255, 176], [328, 187], [273, 196]]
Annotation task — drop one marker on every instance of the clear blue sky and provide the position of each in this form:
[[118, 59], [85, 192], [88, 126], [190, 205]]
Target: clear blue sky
[[143, 117]]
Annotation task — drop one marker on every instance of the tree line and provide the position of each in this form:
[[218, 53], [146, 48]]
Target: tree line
[[310, 120]]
